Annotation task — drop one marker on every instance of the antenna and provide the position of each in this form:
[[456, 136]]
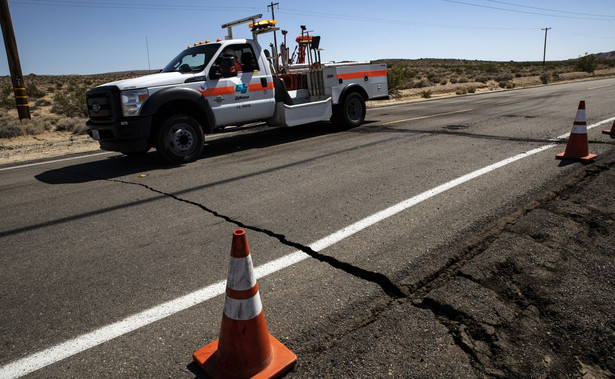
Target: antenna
[[149, 68]]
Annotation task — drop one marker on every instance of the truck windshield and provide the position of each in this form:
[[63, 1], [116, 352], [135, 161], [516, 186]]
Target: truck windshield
[[194, 59]]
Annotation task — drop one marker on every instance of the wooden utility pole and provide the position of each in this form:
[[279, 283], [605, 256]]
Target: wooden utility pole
[[19, 87], [544, 54]]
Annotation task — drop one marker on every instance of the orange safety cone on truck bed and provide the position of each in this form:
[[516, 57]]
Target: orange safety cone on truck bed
[[245, 348], [611, 132], [578, 145]]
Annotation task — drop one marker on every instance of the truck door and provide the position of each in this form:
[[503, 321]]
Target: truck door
[[243, 98]]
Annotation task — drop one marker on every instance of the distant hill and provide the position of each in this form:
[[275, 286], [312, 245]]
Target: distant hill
[[610, 56]]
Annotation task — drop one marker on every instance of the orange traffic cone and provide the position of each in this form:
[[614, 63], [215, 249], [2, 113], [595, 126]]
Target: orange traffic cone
[[245, 348], [611, 132], [578, 145]]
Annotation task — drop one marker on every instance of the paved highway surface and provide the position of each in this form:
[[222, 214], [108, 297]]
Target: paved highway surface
[[112, 266]]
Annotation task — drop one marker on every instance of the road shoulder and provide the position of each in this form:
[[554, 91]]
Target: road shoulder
[[533, 298]]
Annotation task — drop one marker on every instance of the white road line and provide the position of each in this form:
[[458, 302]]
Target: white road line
[[428, 116], [591, 88], [55, 161], [99, 336]]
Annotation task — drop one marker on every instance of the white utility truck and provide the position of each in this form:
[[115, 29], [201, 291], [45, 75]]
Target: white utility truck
[[212, 85]]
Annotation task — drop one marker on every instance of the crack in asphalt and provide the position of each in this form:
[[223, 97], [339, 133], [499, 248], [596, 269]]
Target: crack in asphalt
[[389, 288], [460, 325]]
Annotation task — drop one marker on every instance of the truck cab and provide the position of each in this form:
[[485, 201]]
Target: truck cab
[[210, 85]]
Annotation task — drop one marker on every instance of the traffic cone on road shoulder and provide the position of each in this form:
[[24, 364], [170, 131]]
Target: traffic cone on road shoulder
[[578, 144], [611, 132], [245, 349]]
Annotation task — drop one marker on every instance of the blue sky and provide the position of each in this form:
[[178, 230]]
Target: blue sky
[[60, 37]]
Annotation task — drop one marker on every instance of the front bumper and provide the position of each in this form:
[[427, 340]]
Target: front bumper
[[125, 135]]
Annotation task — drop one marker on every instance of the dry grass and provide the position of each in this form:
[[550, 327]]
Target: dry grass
[[410, 79], [57, 103]]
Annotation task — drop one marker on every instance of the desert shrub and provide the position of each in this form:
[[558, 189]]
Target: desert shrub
[[444, 81], [13, 127], [544, 78], [73, 125], [399, 77], [11, 131], [42, 103], [587, 63], [462, 91], [420, 83], [471, 89], [6, 98], [488, 67], [70, 103], [426, 94], [463, 79], [33, 92], [482, 79], [507, 85], [453, 80], [503, 77]]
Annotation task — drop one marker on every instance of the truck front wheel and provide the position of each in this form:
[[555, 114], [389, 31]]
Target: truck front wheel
[[180, 139], [351, 112]]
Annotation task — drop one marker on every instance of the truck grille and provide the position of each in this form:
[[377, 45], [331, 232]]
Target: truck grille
[[103, 104]]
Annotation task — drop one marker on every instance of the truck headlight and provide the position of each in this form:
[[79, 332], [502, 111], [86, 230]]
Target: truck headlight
[[132, 102]]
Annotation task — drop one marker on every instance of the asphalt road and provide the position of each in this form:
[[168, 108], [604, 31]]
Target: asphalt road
[[113, 266]]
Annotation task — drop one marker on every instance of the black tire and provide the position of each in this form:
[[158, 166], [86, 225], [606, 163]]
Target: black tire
[[180, 139], [351, 113]]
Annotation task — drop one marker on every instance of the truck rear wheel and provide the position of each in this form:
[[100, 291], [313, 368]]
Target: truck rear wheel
[[351, 112], [180, 139]]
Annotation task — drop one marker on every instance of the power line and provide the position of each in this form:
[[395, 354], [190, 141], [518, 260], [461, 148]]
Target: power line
[[180, 7], [548, 10], [609, 18], [110, 5], [390, 21]]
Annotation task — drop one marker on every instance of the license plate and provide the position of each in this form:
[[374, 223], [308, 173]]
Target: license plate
[[95, 134]]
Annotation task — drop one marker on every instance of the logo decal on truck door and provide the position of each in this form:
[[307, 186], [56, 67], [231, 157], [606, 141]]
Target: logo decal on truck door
[[242, 88]]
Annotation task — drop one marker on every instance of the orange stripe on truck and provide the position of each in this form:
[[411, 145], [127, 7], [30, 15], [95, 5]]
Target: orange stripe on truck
[[218, 91], [229, 90], [259, 87], [361, 75]]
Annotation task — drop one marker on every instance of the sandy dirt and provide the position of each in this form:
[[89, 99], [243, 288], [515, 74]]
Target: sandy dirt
[[45, 145]]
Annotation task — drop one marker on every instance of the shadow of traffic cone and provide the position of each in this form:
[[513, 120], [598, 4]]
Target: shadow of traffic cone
[[611, 132], [245, 349], [578, 145]]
